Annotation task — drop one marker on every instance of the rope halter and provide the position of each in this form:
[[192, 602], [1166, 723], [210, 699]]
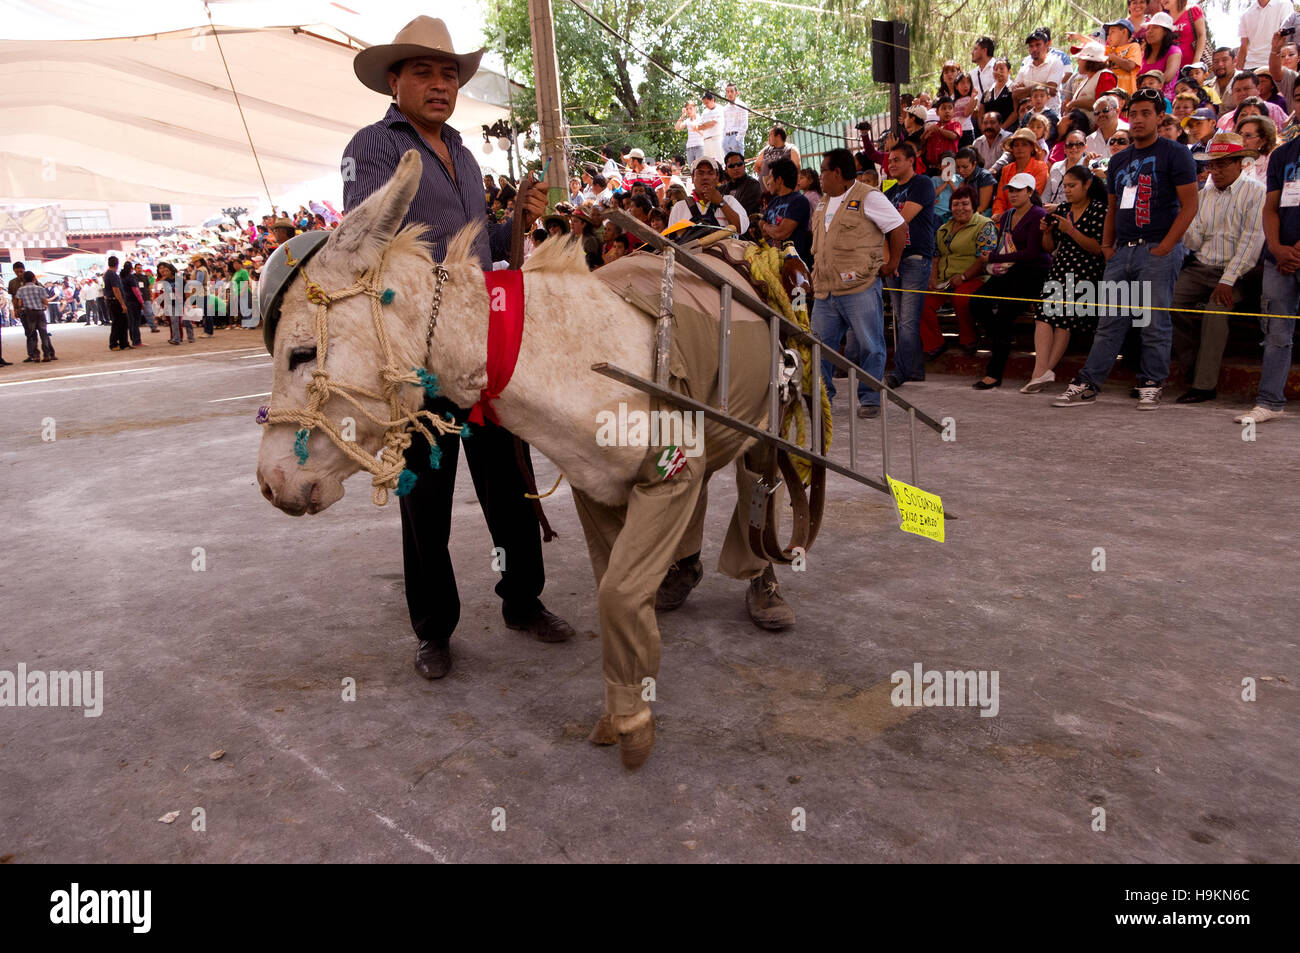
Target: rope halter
[[389, 468]]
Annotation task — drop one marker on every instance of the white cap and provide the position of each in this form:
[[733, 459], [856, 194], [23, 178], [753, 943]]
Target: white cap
[[1162, 19], [1022, 180], [1093, 52]]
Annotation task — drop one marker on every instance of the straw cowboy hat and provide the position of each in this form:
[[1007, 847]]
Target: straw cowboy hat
[[423, 36], [1022, 135], [1226, 145]]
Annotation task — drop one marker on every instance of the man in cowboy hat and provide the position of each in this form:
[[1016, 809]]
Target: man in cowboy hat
[[423, 74], [1225, 240], [283, 229]]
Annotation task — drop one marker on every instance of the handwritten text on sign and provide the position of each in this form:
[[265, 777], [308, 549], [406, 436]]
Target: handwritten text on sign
[[921, 512]]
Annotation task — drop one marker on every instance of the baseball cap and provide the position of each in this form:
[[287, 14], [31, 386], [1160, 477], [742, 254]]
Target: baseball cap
[[1125, 22], [706, 160], [635, 154], [1161, 19], [917, 112], [1022, 180], [1204, 114]]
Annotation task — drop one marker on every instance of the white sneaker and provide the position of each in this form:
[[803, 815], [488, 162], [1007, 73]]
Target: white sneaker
[[1149, 397], [1258, 415], [1038, 383]]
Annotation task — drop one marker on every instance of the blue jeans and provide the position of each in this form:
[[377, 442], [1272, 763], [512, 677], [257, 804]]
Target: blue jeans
[[1133, 264], [1281, 295], [913, 275], [692, 153], [864, 312], [733, 144]]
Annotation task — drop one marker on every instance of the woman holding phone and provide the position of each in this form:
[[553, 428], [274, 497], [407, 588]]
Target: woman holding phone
[[1073, 235]]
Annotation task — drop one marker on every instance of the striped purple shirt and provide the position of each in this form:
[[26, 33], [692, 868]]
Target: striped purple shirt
[[441, 205]]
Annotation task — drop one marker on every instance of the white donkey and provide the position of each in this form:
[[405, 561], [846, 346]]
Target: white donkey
[[370, 316]]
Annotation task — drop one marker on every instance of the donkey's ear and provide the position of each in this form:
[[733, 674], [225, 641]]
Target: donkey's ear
[[365, 230]]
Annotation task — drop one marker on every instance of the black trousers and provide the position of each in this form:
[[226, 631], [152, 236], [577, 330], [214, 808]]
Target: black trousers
[[431, 594], [133, 323], [117, 331], [998, 317]]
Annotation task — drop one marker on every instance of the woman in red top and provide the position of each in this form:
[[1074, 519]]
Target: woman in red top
[[1189, 23]]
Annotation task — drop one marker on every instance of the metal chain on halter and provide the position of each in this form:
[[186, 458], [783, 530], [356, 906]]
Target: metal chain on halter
[[389, 469], [440, 275]]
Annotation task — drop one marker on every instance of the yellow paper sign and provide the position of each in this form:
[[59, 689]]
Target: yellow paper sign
[[921, 512]]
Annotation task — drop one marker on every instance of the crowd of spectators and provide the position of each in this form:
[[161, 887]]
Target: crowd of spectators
[[204, 278], [1137, 161]]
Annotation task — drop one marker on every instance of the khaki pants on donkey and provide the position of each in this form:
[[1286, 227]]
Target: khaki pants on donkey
[[633, 545]]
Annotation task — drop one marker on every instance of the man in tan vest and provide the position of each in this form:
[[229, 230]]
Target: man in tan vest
[[857, 239]]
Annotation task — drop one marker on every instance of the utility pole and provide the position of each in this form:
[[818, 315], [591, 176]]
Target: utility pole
[[546, 75]]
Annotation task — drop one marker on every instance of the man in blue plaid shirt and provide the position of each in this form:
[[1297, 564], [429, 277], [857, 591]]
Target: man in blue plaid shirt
[[31, 301]]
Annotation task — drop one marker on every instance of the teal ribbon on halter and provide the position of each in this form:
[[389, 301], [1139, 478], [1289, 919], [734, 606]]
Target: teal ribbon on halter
[[428, 381], [405, 483], [300, 445]]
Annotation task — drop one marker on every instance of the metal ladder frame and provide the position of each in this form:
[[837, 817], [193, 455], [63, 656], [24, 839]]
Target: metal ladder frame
[[674, 255]]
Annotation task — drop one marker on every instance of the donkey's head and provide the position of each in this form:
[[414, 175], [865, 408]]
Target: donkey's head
[[366, 250]]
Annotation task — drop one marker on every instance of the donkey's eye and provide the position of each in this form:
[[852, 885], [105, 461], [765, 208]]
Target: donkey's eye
[[301, 355]]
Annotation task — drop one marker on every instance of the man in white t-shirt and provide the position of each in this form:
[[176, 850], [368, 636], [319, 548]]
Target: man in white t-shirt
[[706, 205], [710, 126], [982, 75], [690, 120], [1258, 23], [1042, 68], [735, 121]]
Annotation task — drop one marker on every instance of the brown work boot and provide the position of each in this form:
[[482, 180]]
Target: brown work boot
[[764, 602], [683, 576], [636, 736], [603, 733]]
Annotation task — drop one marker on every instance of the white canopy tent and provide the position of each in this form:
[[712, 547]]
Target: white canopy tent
[[148, 115]]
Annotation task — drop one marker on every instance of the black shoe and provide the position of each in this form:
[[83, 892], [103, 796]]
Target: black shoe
[[868, 411], [970, 350], [682, 576], [4, 363], [980, 385], [931, 355], [544, 625], [892, 381], [1197, 396], [433, 659], [31, 360]]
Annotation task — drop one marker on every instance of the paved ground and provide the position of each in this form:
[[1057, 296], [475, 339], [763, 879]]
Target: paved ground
[[1118, 689]]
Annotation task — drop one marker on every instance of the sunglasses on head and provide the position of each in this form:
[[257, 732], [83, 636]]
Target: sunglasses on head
[[1148, 95]]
